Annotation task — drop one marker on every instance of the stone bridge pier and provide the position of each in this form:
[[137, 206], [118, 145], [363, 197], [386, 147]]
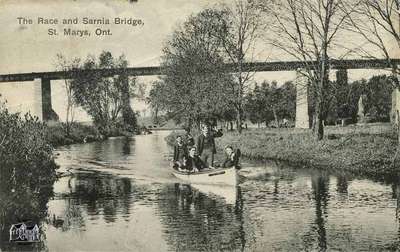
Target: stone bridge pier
[[42, 100], [302, 118], [302, 114]]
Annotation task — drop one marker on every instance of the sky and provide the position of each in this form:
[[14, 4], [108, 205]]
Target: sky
[[29, 48]]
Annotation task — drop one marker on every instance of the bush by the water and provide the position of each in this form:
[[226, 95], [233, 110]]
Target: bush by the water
[[27, 167], [78, 133], [57, 134]]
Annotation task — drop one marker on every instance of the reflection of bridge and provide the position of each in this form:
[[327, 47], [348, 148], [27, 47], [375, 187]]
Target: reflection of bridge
[[43, 108]]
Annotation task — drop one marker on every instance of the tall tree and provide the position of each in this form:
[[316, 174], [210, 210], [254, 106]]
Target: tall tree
[[378, 94], [377, 21], [104, 98], [241, 25], [273, 97], [269, 102], [193, 88], [341, 95], [71, 66], [255, 105], [308, 30], [156, 99], [288, 101]]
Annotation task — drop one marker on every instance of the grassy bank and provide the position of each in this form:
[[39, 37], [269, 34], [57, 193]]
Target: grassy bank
[[365, 150], [79, 133]]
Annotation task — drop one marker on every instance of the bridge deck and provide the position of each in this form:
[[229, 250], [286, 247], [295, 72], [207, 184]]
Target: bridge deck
[[253, 66]]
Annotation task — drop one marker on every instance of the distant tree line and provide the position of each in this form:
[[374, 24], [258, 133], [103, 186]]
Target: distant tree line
[[268, 102], [376, 92]]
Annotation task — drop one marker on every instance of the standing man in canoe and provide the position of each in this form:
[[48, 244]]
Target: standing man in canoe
[[189, 140], [206, 144]]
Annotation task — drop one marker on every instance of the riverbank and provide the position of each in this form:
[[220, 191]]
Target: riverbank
[[79, 133], [27, 168], [362, 150]]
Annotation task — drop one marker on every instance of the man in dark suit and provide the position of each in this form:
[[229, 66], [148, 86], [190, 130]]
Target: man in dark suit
[[206, 145], [189, 140], [193, 162], [232, 157]]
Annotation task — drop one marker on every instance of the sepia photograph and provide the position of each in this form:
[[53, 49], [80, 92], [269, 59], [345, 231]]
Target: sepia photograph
[[199, 125]]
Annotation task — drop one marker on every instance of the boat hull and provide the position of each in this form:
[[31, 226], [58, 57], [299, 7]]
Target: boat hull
[[221, 176]]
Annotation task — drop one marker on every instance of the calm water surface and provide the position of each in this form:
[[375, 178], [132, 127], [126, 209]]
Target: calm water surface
[[120, 196]]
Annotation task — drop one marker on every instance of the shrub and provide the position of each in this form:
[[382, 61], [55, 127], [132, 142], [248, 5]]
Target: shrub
[[78, 133], [27, 167]]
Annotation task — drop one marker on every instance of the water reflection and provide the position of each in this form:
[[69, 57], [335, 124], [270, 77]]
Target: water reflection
[[342, 183], [126, 147], [396, 195], [191, 218], [25, 202], [120, 196], [194, 221], [320, 188], [93, 193]]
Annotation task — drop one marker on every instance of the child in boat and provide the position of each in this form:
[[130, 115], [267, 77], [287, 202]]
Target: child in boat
[[180, 151], [193, 162], [232, 158]]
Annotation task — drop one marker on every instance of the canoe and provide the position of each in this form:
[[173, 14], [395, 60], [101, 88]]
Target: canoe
[[219, 176]]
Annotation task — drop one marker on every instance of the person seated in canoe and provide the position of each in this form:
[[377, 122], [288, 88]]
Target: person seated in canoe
[[232, 157], [206, 144], [193, 162], [180, 151]]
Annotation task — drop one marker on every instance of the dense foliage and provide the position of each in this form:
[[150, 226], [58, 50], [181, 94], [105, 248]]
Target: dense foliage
[[378, 92], [25, 155], [342, 101], [195, 83], [269, 102], [105, 99], [27, 167], [197, 86], [78, 133]]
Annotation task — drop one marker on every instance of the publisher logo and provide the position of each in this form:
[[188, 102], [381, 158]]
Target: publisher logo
[[24, 232]]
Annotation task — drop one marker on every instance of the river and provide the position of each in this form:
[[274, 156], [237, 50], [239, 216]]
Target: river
[[120, 196]]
